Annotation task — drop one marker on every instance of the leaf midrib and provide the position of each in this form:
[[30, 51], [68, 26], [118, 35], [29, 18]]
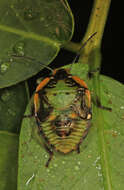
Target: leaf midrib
[[103, 151], [29, 35]]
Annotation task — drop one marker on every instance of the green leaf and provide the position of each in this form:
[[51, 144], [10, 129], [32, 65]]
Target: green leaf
[[31, 33], [13, 101], [113, 130], [8, 161], [77, 171]]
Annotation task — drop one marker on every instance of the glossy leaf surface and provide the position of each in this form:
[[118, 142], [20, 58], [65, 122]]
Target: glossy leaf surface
[[8, 160], [13, 101], [31, 33]]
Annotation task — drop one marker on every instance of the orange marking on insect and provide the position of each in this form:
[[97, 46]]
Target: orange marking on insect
[[52, 117], [54, 71], [73, 115], [42, 84], [79, 81], [89, 97], [36, 99]]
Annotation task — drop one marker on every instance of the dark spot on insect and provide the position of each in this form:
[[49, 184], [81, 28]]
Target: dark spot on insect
[[67, 93], [70, 82], [54, 94], [62, 126], [52, 83], [81, 91], [61, 74], [57, 123]]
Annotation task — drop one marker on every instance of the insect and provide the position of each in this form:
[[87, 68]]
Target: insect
[[62, 106], [62, 109]]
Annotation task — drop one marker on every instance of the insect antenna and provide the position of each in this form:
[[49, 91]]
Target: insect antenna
[[32, 59], [85, 43]]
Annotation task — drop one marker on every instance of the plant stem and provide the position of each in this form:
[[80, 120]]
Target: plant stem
[[72, 46], [91, 55], [98, 19], [96, 24]]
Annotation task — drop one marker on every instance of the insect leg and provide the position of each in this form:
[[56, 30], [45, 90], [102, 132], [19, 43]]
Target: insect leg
[[50, 152], [50, 155], [78, 148], [83, 137], [97, 101], [99, 105], [92, 73]]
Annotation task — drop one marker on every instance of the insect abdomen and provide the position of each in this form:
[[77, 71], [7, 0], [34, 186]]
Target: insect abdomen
[[65, 143]]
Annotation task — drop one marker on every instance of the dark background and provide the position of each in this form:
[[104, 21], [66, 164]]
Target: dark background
[[112, 45], [112, 54]]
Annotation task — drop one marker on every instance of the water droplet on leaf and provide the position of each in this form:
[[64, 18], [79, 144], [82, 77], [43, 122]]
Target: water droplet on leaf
[[19, 49], [77, 168], [4, 67], [11, 112], [6, 95], [122, 107], [55, 165], [42, 19], [79, 162], [46, 156], [30, 14], [11, 60], [63, 162], [48, 170]]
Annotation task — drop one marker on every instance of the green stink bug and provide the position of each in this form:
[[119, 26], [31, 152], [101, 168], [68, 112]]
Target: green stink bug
[[62, 109], [62, 106]]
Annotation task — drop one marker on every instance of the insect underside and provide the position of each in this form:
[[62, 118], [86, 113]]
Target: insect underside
[[63, 113]]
